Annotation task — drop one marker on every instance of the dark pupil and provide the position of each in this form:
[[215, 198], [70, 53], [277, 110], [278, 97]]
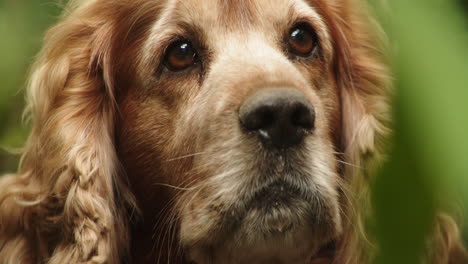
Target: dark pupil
[[300, 37], [183, 53]]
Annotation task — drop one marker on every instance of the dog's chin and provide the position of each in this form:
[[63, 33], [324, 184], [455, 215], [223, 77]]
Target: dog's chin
[[270, 244], [278, 224]]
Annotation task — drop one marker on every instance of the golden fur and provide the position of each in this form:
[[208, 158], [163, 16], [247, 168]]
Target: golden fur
[[94, 176]]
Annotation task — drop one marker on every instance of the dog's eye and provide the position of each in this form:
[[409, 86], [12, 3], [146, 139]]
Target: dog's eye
[[302, 41], [180, 55]]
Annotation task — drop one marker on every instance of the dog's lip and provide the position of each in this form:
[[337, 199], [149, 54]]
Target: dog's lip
[[279, 207], [276, 192], [277, 195]]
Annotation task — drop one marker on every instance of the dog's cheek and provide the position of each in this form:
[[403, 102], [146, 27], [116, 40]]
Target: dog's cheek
[[143, 130], [200, 218], [151, 133]]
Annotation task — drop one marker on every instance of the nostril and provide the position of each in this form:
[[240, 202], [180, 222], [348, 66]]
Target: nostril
[[260, 118], [303, 116]]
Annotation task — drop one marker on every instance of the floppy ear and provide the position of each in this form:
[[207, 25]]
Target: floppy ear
[[364, 84], [67, 203]]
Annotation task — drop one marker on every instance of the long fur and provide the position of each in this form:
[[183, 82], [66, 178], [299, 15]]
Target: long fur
[[69, 201]]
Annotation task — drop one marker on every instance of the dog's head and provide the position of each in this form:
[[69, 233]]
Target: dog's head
[[239, 124], [239, 106]]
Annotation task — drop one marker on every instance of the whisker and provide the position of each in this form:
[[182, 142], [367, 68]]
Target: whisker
[[338, 152], [158, 243], [186, 156], [174, 187], [172, 233], [350, 164]]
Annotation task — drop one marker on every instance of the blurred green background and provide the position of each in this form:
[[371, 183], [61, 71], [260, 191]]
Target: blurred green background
[[428, 168], [429, 163], [22, 26]]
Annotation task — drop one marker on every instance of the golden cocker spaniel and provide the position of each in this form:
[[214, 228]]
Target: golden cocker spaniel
[[203, 131]]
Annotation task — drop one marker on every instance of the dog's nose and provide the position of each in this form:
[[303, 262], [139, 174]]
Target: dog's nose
[[279, 116]]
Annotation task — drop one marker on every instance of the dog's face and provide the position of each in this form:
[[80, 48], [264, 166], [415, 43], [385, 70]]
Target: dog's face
[[235, 104]]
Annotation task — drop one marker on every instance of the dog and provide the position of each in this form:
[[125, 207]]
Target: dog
[[190, 131]]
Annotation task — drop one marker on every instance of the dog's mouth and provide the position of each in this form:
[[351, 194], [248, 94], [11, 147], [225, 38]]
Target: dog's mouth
[[281, 214], [278, 208], [276, 194], [275, 209], [286, 220]]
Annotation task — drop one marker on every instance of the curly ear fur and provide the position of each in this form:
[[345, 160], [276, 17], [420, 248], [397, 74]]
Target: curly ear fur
[[67, 202], [364, 82], [365, 85]]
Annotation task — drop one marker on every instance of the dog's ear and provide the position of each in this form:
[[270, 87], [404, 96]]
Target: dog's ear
[[364, 83], [67, 203]]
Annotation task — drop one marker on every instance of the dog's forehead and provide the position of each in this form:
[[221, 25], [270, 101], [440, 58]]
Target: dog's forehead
[[232, 14], [236, 15]]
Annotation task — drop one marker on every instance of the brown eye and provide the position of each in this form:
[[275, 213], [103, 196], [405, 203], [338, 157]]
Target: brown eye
[[180, 55], [301, 41]]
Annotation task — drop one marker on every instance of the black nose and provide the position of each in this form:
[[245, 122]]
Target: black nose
[[280, 116]]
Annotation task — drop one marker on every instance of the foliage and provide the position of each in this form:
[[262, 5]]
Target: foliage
[[429, 164]]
